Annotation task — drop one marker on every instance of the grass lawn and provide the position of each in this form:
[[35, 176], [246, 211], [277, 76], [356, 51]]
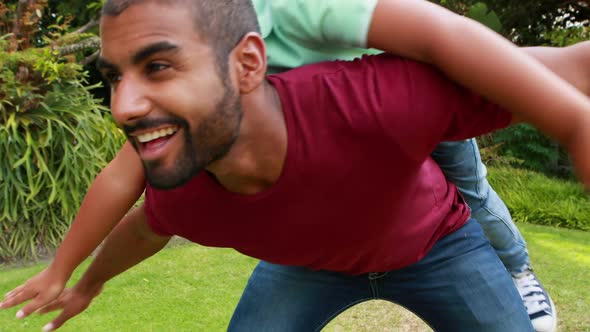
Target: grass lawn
[[192, 288]]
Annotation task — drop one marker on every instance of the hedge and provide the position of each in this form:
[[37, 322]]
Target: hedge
[[534, 198]]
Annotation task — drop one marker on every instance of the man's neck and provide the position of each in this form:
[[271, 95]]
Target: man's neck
[[256, 159]]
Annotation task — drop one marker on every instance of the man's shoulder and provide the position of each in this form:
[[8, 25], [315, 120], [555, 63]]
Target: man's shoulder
[[382, 62]]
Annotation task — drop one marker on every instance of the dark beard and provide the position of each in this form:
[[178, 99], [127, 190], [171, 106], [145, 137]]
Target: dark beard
[[182, 171], [209, 142]]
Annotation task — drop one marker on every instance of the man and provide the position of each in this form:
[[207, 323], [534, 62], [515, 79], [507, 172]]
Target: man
[[320, 191], [303, 32]]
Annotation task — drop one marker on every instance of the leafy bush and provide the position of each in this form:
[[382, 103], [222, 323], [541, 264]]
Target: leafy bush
[[537, 199], [568, 36], [55, 137], [526, 147]]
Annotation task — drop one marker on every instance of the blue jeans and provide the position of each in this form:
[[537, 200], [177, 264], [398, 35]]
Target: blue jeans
[[460, 285], [461, 163]]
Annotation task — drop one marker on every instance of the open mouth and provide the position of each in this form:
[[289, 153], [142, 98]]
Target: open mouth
[[153, 143]]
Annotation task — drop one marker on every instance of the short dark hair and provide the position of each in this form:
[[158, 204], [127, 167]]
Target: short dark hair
[[222, 23]]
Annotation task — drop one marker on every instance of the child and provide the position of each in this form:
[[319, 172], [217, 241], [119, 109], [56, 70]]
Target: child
[[479, 59]]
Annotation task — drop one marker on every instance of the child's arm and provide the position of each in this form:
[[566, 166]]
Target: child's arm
[[479, 59], [471, 54], [468, 52], [572, 63], [109, 198]]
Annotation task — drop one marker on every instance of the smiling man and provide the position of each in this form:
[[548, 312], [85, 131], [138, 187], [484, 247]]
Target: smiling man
[[323, 172], [190, 91]]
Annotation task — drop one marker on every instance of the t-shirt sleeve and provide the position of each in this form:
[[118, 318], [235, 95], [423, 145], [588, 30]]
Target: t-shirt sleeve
[[342, 23], [153, 221], [419, 107]]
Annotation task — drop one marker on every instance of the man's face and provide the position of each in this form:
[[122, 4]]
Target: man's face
[[177, 109]]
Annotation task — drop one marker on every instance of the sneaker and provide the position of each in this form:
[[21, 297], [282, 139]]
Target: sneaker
[[537, 301]]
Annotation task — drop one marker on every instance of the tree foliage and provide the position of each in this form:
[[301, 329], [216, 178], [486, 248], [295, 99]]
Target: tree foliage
[[528, 21]]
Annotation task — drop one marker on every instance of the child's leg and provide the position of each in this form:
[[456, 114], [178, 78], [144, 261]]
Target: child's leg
[[461, 163]]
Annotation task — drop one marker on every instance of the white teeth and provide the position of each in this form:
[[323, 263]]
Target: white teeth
[[143, 138]]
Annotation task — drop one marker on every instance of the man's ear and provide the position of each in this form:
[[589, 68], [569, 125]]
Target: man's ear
[[250, 57]]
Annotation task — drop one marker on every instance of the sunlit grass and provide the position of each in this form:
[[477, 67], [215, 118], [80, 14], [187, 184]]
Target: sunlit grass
[[192, 288]]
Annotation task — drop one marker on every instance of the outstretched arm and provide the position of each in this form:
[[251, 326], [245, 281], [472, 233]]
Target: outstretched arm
[[571, 63], [109, 198], [481, 60], [473, 55], [112, 194], [131, 242]]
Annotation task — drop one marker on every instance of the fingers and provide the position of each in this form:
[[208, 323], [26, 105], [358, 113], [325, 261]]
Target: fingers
[[63, 317], [52, 306], [14, 291], [22, 294], [50, 299], [16, 297], [33, 306]]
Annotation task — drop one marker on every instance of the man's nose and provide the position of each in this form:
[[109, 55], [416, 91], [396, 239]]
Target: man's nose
[[129, 101]]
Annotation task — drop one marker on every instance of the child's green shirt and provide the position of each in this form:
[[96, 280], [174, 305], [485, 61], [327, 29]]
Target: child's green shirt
[[299, 32]]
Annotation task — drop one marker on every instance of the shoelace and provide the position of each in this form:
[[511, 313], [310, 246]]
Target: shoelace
[[531, 293]]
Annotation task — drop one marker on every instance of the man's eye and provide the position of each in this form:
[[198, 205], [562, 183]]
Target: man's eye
[[112, 77], [155, 67]]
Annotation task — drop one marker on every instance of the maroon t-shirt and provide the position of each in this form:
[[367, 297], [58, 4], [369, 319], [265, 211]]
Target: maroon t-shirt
[[358, 192]]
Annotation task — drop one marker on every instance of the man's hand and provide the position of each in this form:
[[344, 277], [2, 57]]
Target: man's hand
[[129, 243], [72, 302], [40, 289]]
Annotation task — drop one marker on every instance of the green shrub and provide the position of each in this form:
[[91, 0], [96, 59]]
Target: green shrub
[[54, 137], [537, 199], [526, 147], [568, 36]]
